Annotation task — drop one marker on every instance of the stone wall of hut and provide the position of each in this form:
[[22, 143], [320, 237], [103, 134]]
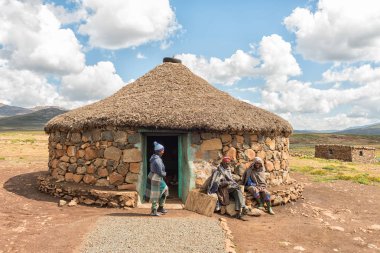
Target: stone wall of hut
[[109, 158], [209, 148], [363, 154]]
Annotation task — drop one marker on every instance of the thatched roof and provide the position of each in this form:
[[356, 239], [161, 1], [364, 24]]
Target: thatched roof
[[171, 97]]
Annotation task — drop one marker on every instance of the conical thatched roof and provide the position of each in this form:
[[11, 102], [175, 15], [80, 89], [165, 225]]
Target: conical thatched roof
[[171, 97]]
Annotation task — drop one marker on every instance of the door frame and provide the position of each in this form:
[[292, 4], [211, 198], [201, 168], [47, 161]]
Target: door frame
[[143, 177]]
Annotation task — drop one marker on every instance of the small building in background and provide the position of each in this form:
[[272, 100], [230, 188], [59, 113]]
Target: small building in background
[[346, 153]]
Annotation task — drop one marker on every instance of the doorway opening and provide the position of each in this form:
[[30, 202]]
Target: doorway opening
[[171, 162]]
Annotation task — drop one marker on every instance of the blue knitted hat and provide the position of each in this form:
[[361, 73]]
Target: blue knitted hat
[[157, 146]]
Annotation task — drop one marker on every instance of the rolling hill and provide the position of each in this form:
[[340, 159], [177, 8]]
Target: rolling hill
[[7, 110], [373, 129], [30, 121], [362, 130]]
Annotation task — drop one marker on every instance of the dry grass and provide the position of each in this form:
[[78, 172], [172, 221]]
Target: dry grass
[[330, 170], [172, 97], [303, 160], [23, 147]]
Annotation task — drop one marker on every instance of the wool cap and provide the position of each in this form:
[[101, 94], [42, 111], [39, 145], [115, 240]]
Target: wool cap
[[158, 146]]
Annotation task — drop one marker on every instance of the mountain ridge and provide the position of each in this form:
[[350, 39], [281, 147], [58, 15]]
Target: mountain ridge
[[30, 121]]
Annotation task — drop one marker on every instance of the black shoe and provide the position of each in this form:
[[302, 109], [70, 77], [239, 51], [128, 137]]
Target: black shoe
[[161, 209], [241, 216]]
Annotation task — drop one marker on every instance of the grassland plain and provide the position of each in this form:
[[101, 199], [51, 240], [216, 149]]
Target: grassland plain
[[303, 160]]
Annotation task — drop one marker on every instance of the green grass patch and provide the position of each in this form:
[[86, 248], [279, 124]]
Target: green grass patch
[[12, 133], [331, 173], [329, 168], [2, 158], [302, 169], [362, 178], [318, 172], [29, 140]]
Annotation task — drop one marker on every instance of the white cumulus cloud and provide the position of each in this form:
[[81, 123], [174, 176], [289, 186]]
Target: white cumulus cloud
[[68, 16], [338, 30], [215, 70], [278, 62], [140, 56], [32, 39], [116, 24], [274, 61], [25, 88], [317, 121], [93, 83], [358, 75]]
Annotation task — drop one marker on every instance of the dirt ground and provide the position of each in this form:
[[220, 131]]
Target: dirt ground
[[332, 217]]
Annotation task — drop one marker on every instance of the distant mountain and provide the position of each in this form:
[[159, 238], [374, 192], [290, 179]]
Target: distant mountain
[[40, 107], [8, 110], [314, 131], [31, 121], [373, 129]]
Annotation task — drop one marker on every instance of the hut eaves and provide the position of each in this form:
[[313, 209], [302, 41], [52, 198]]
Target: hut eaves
[[172, 97]]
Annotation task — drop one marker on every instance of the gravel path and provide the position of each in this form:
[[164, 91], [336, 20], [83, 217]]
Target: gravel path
[[132, 234]]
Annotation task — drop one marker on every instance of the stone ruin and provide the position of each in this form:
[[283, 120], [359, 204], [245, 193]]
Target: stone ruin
[[346, 153]]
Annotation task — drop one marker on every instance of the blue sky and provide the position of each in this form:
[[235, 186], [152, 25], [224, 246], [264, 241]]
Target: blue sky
[[315, 63]]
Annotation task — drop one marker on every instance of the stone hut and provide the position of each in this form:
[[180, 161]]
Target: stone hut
[[346, 153], [104, 147]]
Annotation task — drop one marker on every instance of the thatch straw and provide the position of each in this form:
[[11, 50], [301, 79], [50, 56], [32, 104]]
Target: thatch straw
[[171, 97]]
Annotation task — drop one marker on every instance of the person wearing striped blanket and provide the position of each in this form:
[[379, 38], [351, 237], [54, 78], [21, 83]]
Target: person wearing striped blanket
[[156, 188]]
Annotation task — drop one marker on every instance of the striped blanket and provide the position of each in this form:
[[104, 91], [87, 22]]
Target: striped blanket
[[155, 187]]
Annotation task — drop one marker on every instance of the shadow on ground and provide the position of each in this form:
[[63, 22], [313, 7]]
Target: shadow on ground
[[129, 214], [26, 185]]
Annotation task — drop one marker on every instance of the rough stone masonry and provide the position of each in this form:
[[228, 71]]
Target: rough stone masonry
[[111, 159], [346, 153]]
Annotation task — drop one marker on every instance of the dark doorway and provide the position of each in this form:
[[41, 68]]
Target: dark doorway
[[170, 159]]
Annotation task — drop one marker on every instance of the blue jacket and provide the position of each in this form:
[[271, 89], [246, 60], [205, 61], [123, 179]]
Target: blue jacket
[[157, 165]]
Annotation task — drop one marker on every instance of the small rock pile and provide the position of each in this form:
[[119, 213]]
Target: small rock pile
[[230, 246]]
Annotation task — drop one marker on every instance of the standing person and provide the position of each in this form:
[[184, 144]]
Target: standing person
[[223, 184], [254, 182], [156, 188]]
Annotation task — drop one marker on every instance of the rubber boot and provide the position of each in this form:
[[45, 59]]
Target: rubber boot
[[154, 213], [240, 216], [261, 204], [269, 208]]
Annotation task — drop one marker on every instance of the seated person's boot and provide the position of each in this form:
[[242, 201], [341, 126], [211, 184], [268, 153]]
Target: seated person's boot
[[269, 208], [261, 204], [240, 216]]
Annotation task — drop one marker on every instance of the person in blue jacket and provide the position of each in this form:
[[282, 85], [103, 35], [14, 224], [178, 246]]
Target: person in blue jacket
[[156, 188]]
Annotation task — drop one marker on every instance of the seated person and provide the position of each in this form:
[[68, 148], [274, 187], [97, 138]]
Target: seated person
[[223, 184], [254, 182]]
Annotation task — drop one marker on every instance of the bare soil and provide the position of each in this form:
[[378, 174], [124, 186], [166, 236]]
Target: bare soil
[[308, 222], [31, 221]]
